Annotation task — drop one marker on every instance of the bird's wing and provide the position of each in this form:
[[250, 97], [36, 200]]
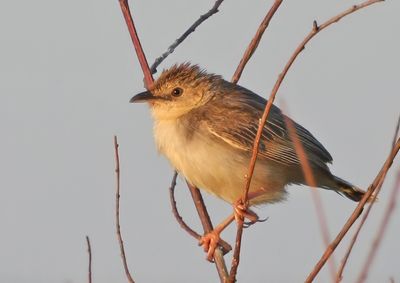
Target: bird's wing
[[236, 123]]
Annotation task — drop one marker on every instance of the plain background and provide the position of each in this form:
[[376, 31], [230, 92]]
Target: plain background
[[67, 72]]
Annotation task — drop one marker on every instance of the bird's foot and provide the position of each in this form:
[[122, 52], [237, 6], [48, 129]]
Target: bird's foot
[[241, 212], [209, 242], [212, 240]]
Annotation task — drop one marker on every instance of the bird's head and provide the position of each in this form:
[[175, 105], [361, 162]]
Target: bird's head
[[179, 90]]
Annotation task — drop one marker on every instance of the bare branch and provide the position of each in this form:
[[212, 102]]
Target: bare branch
[[89, 249], [381, 230], [224, 246], [255, 41], [191, 29], [356, 213], [207, 226], [175, 211], [310, 180], [315, 30], [117, 221], [148, 78], [339, 274], [198, 200]]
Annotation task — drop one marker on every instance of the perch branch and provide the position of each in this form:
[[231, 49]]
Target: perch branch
[[255, 41], [117, 221], [315, 30], [208, 227], [219, 261], [89, 249], [191, 29]]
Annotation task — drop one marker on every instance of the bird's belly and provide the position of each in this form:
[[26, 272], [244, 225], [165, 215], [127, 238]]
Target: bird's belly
[[218, 168]]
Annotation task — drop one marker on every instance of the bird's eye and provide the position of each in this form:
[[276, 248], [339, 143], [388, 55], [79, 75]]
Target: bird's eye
[[177, 92]]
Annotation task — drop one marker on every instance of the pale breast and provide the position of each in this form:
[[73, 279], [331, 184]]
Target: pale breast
[[203, 162], [213, 165]]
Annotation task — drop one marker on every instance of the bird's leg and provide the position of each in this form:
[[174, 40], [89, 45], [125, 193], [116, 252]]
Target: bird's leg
[[209, 241]]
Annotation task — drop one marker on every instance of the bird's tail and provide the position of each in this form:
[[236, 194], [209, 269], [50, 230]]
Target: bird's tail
[[348, 190]]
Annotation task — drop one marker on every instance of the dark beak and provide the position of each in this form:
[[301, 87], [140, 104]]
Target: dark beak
[[142, 97]]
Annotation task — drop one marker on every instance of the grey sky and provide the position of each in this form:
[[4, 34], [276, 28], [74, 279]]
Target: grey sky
[[67, 72]]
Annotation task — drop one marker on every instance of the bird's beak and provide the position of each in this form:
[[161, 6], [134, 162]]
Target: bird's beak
[[142, 97]]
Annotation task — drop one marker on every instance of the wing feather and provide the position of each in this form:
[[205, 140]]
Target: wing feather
[[246, 108]]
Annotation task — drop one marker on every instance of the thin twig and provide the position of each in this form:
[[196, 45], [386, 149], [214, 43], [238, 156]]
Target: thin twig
[[208, 227], [201, 208], [255, 41], [223, 245], [89, 249], [117, 221], [315, 30], [356, 213], [381, 230], [310, 180], [191, 29], [339, 274], [148, 78], [175, 211]]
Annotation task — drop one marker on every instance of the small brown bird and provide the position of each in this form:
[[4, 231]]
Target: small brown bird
[[206, 127]]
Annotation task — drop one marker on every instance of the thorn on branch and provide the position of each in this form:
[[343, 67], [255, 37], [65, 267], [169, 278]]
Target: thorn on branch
[[315, 26]]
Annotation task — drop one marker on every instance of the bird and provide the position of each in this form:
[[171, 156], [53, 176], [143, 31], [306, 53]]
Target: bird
[[206, 126]]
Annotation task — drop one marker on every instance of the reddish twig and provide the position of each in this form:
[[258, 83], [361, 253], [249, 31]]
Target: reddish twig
[[208, 227], [223, 245], [339, 274], [175, 211], [89, 249], [255, 41], [191, 29], [356, 213], [315, 30], [148, 78], [201, 208], [117, 222], [310, 180], [381, 230]]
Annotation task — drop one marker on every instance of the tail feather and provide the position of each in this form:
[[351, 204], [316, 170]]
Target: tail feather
[[348, 190]]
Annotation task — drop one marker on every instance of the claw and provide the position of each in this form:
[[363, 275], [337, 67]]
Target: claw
[[249, 223]]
